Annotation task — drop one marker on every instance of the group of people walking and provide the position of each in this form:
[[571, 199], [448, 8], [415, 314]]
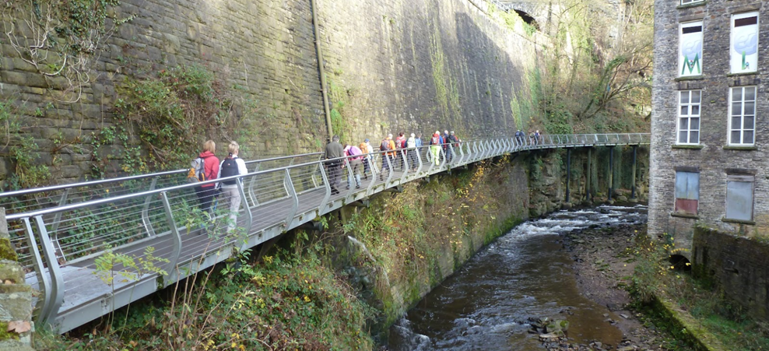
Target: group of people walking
[[400, 152], [535, 138]]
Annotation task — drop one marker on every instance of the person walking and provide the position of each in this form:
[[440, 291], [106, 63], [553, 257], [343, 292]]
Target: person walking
[[400, 145], [388, 146], [365, 147], [356, 164], [537, 137], [453, 143], [435, 146], [334, 152], [411, 146], [232, 165], [206, 192]]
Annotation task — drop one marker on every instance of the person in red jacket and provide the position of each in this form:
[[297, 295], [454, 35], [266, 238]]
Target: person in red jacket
[[206, 192]]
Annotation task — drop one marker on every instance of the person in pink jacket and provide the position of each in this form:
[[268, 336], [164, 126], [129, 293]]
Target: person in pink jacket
[[206, 192]]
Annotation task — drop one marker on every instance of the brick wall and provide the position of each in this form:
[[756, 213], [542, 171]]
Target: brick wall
[[396, 65], [712, 157]]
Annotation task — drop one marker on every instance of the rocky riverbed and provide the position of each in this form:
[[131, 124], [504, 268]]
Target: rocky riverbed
[[602, 263]]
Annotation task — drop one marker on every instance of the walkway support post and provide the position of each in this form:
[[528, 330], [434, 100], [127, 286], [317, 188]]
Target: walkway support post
[[568, 173], [611, 172], [635, 164]]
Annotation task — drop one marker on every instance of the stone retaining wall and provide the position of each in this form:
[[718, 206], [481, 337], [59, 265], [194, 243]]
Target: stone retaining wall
[[403, 65]]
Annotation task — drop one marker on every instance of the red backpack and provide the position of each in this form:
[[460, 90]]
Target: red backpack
[[436, 140]]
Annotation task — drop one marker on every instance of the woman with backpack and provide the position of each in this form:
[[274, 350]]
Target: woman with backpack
[[210, 169], [232, 166]]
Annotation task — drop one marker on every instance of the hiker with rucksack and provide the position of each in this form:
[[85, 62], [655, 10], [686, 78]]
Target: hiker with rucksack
[[400, 144], [366, 148], [355, 158], [388, 146], [206, 167], [232, 165], [435, 146]]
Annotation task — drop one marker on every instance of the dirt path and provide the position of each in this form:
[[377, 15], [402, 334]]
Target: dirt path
[[602, 263]]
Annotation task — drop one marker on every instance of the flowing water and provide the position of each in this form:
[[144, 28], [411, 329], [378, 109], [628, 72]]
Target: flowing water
[[525, 274]]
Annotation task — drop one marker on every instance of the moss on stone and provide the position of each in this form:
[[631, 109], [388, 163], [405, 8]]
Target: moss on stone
[[5, 334], [6, 250]]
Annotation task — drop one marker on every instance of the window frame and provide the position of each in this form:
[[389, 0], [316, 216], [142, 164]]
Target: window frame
[[741, 179], [689, 2], [682, 64], [732, 20], [679, 206], [742, 115], [689, 117]]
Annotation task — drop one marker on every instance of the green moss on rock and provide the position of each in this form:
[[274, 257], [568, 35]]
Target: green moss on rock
[[6, 250], [5, 334]]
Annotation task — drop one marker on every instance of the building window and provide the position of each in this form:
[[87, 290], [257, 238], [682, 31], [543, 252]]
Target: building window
[[689, 103], [742, 116], [687, 2], [690, 49], [687, 192], [744, 48], [739, 197]]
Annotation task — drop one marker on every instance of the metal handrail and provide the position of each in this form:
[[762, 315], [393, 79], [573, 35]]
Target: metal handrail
[[276, 184], [6, 194]]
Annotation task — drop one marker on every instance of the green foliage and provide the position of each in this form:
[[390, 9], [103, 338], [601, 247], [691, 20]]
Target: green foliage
[[285, 302], [172, 115], [129, 267], [22, 150]]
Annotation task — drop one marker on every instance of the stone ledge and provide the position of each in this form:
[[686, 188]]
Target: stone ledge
[[738, 221], [741, 148], [684, 215], [743, 74], [691, 147], [695, 331], [695, 4], [681, 79]]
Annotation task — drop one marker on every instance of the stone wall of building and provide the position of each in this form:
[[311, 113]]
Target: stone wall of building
[[736, 266], [412, 66], [712, 158]]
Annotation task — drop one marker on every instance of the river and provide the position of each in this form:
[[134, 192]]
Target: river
[[489, 303]]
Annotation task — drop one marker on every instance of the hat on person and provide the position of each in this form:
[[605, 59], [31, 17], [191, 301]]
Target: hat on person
[[366, 141], [412, 135], [437, 132]]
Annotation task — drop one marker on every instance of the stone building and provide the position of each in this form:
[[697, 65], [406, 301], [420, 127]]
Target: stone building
[[709, 147]]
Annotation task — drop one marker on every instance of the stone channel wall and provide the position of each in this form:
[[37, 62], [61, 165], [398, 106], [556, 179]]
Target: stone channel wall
[[412, 66], [736, 265]]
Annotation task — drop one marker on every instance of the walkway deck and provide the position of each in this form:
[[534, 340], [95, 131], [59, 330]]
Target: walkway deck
[[63, 233]]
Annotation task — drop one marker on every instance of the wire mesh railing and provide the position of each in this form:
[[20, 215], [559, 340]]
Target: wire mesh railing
[[67, 237]]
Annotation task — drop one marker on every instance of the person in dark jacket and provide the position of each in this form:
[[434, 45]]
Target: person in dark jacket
[[334, 150], [206, 192]]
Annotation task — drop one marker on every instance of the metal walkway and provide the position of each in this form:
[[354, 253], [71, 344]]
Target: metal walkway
[[61, 232]]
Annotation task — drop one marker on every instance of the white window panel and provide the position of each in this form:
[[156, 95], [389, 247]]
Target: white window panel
[[690, 49], [742, 116], [689, 105], [744, 46]]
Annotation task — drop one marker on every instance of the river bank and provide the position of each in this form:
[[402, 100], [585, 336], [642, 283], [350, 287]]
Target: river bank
[[604, 260]]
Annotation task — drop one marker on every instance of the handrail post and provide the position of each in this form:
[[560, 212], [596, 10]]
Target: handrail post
[[54, 270], [43, 303], [252, 184], [292, 192], [57, 220], [390, 163], [176, 239], [146, 210], [249, 215], [461, 154], [327, 196], [347, 162], [406, 167], [371, 162], [419, 160]]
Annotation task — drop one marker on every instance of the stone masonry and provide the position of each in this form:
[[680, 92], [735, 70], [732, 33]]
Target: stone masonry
[[15, 297], [713, 158], [402, 65]]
